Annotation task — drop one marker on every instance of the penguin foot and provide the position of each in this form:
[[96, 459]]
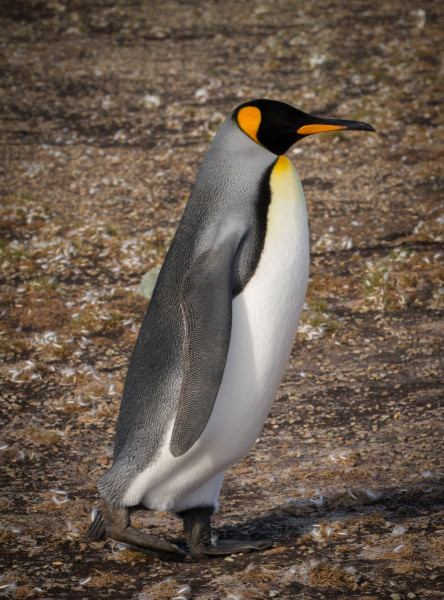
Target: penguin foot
[[114, 521], [197, 529], [225, 547], [132, 536]]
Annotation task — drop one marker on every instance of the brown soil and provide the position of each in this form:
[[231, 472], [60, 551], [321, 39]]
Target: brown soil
[[107, 109]]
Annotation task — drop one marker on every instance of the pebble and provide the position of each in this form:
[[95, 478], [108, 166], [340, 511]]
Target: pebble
[[273, 593], [395, 597]]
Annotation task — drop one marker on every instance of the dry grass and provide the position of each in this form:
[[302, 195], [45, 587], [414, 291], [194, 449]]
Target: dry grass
[[40, 437], [101, 578], [332, 576]]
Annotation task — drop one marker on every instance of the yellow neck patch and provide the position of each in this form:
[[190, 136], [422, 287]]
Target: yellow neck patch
[[282, 165], [249, 119]]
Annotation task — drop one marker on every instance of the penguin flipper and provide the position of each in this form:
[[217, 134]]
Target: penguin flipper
[[206, 304]]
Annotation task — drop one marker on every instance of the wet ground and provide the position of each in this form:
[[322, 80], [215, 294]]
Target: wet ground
[[106, 112]]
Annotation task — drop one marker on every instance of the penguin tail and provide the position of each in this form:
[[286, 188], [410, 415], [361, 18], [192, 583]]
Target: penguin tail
[[96, 531]]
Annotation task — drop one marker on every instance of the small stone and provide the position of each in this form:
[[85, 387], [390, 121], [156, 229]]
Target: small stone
[[395, 597], [150, 101], [411, 595], [229, 559], [273, 593]]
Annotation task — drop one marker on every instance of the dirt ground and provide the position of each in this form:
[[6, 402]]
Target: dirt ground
[[107, 109]]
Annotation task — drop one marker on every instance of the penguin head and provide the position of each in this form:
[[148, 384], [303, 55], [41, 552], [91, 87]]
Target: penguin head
[[277, 126]]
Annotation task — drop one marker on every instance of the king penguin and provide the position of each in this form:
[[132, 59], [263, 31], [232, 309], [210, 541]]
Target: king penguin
[[217, 335]]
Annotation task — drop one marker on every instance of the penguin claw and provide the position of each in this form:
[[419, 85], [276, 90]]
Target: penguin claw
[[96, 530]]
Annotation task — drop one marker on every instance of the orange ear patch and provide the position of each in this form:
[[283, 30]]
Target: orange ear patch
[[308, 129], [249, 119]]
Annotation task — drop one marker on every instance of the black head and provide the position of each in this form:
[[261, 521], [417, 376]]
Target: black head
[[277, 126]]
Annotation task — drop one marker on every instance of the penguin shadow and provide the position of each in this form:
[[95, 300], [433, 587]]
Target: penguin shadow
[[298, 517]]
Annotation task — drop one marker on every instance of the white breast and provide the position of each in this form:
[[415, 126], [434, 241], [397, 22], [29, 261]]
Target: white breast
[[265, 321]]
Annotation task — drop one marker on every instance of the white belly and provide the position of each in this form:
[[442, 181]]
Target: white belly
[[265, 321]]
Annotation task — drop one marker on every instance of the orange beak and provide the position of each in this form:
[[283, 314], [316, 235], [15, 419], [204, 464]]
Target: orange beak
[[319, 125]]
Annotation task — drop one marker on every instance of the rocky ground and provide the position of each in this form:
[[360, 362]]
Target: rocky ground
[[107, 109]]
